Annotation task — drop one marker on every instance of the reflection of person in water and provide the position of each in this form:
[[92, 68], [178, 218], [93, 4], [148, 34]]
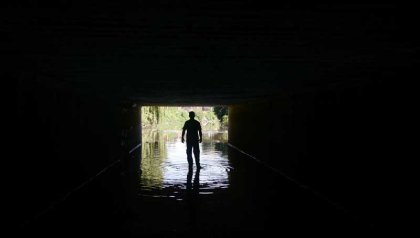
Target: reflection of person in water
[[194, 137], [192, 199], [193, 185]]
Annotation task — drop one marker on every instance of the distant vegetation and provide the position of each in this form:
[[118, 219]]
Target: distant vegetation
[[173, 118], [222, 114]]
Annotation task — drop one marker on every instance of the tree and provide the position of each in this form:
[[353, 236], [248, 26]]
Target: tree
[[220, 111]]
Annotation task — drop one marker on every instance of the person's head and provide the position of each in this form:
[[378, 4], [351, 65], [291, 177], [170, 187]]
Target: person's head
[[192, 115]]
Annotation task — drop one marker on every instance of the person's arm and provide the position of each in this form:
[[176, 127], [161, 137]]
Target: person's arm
[[199, 132], [183, 133]]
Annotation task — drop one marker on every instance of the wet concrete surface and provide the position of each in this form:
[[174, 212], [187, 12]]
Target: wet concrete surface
[[230, 195]]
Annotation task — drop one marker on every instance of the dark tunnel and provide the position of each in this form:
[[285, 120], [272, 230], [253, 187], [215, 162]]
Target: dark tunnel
[[312, 92]]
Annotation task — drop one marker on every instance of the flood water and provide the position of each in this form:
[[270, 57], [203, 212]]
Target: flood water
[[164, 163], [230, 195]]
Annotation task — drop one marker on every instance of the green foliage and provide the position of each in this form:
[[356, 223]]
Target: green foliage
[[220, 111], [222, 114], [173, 118], [150, 116], [225, 121], [207, 119]]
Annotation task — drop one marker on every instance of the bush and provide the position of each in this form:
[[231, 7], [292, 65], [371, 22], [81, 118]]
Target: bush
[[173, 118]]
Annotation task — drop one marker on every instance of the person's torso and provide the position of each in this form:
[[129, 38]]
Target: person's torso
[[192, 127]]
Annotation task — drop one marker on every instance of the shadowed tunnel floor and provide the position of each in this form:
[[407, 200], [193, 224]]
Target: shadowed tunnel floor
[[252, 200]]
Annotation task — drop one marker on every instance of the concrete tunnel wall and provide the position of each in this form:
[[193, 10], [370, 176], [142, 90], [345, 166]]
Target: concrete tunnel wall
[[69, 137], [331, 139]]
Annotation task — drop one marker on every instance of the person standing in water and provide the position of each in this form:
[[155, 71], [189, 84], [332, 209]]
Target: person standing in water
[[194, 137]]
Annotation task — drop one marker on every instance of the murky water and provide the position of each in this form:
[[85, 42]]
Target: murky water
[[164, 163], [168, 200]]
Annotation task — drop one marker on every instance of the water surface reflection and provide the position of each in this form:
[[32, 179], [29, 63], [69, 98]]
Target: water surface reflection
[[164, 163]]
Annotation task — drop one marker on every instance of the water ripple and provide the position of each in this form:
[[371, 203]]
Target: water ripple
[[165, 168]]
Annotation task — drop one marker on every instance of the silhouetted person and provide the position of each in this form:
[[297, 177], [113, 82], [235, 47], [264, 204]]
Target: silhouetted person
[[194, 136]]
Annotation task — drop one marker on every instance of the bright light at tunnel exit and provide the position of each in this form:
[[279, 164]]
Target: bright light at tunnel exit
[[164, 161]]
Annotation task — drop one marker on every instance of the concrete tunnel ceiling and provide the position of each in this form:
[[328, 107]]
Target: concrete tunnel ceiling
[[205, 53]]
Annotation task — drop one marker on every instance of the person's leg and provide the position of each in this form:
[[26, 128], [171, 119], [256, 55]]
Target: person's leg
[[189, 153], [197, 154]]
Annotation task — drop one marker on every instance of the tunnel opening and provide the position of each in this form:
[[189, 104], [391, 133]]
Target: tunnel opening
[[164, 162]]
